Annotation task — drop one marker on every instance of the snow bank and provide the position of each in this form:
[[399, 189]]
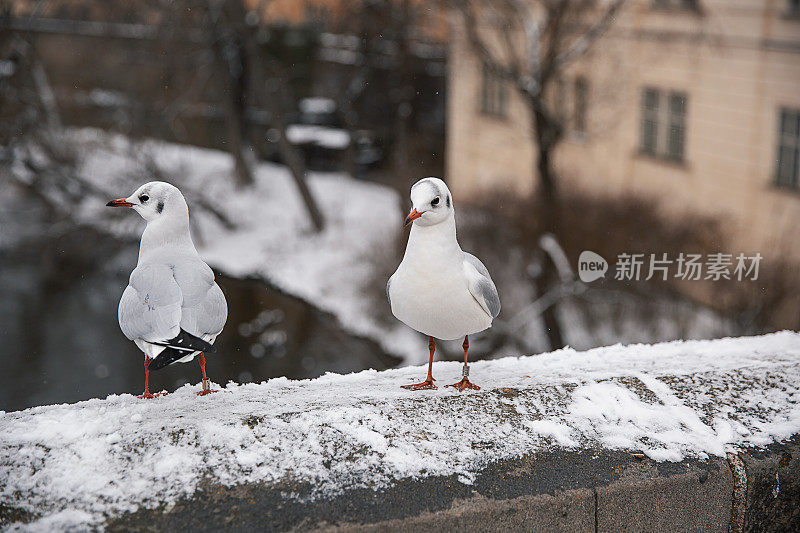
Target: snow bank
[[99, 458], [333, 138]]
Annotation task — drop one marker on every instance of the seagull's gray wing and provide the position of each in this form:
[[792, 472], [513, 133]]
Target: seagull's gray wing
[[389, 284], [481, 285], [203, 310], [215, 312], [150, 308]]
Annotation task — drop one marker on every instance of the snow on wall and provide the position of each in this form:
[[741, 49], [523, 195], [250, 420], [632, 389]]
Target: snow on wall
[[80, 463]]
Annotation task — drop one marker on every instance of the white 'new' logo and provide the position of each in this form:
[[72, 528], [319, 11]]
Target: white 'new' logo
[[591, 266]]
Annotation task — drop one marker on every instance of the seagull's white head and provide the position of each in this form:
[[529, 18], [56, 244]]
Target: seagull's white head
[[431, 202], [154, 201]]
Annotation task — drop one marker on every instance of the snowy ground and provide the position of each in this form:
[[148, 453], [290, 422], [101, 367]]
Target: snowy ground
[[273, 238], [77, 464]]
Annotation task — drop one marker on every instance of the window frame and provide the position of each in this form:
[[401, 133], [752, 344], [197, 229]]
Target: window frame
[[580, 114], [648, 137], [493, 94], [788, 141], [792, 9], [676, 5], [676, 122], [661, 122]]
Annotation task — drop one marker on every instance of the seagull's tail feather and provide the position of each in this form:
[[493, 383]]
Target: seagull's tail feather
[[187, 342], [179, 347]]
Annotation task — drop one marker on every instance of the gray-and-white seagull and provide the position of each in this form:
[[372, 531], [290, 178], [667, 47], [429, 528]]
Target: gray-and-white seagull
[[172, 308], [439, 289]]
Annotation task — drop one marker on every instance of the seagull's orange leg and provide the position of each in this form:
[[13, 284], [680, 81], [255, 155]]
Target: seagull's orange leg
[[206, 387], [146, 394], [428, 383], [465, 382]]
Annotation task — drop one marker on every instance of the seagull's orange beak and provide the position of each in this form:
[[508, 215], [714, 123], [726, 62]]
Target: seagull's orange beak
[[412, 216], [119, 202]]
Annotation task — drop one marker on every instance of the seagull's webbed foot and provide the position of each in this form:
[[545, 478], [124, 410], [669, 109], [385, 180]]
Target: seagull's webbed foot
[[425, 385], [464, 384]]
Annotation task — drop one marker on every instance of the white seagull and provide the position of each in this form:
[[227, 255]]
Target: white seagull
[[439, 289], [172, 308]]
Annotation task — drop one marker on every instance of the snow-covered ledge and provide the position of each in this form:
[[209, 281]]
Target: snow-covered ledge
[[84, 463]]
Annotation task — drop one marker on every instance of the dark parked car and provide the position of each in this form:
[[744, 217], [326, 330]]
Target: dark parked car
[[317, 130]]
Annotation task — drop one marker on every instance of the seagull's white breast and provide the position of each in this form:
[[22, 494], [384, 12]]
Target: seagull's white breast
[[430, 291]]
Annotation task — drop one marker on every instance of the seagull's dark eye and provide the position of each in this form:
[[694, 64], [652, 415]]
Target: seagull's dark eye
[[435, 201], [143, 198]]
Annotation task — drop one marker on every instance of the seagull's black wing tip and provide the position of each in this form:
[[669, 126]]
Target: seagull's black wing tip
[[179, 347], [185, 341], [166, 358]]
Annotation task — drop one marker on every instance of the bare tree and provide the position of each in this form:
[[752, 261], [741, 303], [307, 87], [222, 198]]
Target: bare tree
[[247, 71], [291, 157], [225, 27], [386, 73], [36, 152], [402, 23], [33, 153], [271, 75], [359, 20], [529, 43]]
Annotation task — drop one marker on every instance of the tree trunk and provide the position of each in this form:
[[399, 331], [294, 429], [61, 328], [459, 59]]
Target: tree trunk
[[272, 80], [240, 149], [297, 168], [404, 106], [547, 200], [279, 101], [402, 170], [231, 60]]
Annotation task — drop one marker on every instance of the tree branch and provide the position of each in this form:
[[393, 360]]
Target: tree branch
[[533, 34], [527, 85], [488, 60], [585, 41]]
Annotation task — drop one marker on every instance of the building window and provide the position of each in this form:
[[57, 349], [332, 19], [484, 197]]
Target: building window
[[649, 121], [494, 95], [581, 104], [788, 148], [663, 127], [677, 4], [677, 126]]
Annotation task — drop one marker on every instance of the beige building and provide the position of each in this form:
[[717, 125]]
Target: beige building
[[695, 102]]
